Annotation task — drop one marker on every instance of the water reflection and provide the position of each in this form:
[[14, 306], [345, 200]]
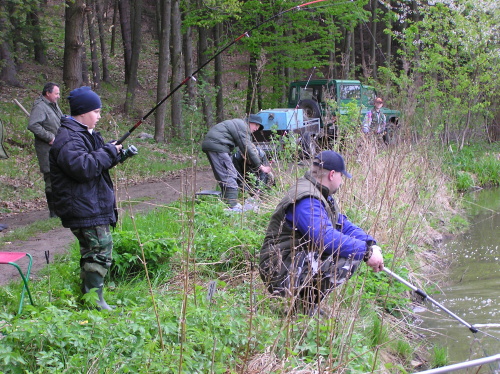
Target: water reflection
[[472, 291]]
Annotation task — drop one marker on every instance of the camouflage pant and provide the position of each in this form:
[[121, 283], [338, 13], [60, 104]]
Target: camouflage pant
[[96, 247]]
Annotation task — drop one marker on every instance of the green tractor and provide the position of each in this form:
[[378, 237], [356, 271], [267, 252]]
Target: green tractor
[[312, 97]]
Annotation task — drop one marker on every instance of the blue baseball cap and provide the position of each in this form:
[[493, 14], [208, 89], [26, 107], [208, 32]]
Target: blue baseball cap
[[331, 160]]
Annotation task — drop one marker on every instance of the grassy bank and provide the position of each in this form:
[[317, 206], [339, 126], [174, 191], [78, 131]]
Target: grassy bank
[[170, 320]]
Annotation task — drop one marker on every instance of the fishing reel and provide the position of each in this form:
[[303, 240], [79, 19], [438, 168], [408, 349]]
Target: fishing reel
[[129, 152]]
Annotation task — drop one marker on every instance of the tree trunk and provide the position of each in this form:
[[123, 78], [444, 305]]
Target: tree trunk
[[374, 38], [389, 40], [251, 85], [346, 56], [85, 67], [163, 66], [219, 100], [36, 34], [187, 47], [203, 58], [113, 29], [125, 20], [364, 65], [73, 44], [134, 61], [188, 65], [8, 72], [102, 40], [94, 58], [176, 130]]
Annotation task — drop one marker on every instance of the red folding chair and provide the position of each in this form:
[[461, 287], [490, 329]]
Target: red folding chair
[[10, 258]]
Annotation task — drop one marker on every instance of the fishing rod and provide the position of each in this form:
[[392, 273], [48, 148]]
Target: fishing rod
[[246, 33], [427, 297]]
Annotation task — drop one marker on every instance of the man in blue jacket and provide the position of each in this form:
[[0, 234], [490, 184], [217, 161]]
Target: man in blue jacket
[[84, 198], [309, 247]]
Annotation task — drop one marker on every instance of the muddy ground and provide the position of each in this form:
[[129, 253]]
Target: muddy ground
[[143, 197]]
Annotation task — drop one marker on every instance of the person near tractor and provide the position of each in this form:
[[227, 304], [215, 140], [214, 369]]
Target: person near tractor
[[310, 247], [44, 121], [218, 144], [375, 120], [85, 199]]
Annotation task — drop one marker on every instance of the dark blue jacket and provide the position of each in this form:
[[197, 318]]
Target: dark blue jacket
[[81, 184], [346, 239]]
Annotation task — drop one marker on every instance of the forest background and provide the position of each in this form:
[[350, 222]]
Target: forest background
[[437, 62]]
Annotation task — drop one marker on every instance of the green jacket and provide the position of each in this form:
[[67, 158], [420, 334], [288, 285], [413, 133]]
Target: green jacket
[[282, 242], [45, 120], [226, 135]]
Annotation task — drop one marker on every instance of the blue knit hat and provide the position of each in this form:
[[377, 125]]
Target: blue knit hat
[[83, 100]]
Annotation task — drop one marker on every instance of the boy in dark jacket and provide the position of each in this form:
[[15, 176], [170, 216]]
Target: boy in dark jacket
[[84, 198]]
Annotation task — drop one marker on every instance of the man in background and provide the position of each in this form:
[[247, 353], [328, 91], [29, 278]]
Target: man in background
[[44, 121], [218, 144]]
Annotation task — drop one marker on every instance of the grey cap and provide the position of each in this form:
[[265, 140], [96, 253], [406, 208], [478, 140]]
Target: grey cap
[[255, 118]]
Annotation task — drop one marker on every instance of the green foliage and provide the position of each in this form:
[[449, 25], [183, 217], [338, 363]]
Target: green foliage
[[379, 332], [451, 52], [128, 260], [439, 357], [403, 349], [474, 165]]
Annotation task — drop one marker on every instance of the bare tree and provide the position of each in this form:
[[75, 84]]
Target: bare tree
[[374, 37], [177, 62], [136, 51], [73, 43], [94, 59], [206, 101], [113, 30], [163, 66], [33, 20], [102, 40], [219, 100], [188, 63], [125, 20]]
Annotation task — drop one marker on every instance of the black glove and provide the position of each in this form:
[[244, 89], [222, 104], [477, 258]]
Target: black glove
[[129, 152]]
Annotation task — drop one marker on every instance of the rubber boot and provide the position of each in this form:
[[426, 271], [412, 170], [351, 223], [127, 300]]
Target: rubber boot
[[50, 204], [95, 280], [231, 196]]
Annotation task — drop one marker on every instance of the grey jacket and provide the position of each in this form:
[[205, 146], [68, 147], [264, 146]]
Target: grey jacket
[[226, 135], [45, 119]]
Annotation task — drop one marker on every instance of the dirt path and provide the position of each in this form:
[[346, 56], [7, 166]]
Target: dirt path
[[147, 196]]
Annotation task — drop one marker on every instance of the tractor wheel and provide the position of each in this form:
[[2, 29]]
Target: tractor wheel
[[308, 144], [310, 107]]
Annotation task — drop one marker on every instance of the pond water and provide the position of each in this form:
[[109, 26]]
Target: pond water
[[472, 289]]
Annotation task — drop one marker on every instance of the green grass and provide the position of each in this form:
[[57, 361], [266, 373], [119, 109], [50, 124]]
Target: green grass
[[197, 334], [476, 165]]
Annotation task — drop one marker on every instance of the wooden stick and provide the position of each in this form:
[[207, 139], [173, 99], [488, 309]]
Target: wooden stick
[[22, 108]]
